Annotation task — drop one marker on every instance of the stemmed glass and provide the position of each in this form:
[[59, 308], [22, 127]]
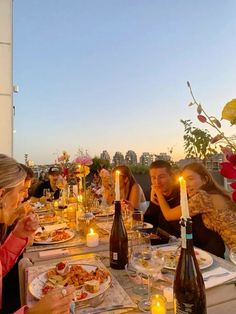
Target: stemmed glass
[[47, 194], [147, 262]]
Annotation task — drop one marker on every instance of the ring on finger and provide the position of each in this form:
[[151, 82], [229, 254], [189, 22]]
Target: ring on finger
[[63, 292]]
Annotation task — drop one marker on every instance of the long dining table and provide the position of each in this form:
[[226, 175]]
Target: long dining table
[[38, 258]]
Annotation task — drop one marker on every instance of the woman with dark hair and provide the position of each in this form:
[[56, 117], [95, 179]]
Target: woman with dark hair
[[206, 197], [130, 190]]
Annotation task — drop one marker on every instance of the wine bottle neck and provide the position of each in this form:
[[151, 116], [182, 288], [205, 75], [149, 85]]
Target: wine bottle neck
[[186, 233], [117, 209]]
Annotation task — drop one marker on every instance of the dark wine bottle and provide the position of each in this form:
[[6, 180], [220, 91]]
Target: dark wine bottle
[[189, 289], [118, 241]]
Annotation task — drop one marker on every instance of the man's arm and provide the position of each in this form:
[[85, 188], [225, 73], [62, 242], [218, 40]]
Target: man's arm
[[169, 213]]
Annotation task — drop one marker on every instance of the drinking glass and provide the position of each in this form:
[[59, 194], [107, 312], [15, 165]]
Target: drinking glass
[[137, 219], [47, 194], [145, 261], [232, 254]]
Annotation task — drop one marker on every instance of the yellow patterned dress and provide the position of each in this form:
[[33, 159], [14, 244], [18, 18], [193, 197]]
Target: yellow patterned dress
[[218, 214]]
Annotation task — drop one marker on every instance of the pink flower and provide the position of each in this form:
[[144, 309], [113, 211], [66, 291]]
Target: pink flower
[[233, 185], [234, 196], [84, 160], [227, 170]]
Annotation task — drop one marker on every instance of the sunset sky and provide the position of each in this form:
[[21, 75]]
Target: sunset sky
[[111, 74]]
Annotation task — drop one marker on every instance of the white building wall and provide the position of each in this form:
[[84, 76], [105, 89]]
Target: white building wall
[[6, 109]]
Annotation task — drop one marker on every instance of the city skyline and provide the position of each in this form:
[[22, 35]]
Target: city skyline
[[101, 74]]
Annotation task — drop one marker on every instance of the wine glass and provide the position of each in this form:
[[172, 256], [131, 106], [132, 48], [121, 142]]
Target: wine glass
[[137, 219], [47, 194], [146, 261]]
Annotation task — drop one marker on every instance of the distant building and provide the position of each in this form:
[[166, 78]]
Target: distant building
[[146, 159], [162, 156], [183, 162], [213, 162], [118, 159], [131, 158], [104, 155]]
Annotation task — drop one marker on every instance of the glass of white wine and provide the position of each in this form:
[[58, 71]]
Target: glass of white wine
[[145, 261]]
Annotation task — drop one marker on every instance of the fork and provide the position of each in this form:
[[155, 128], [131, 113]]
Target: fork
[[215, 275]]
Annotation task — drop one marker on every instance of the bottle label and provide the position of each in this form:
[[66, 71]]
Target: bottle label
[[115, 256], [184, 308], [183, 237]]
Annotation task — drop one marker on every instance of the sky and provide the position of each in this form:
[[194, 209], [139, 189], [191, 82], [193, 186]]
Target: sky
[[111, 74]]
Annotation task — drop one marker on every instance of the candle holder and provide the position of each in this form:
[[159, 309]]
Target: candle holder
[[158, 304], [92, 239]]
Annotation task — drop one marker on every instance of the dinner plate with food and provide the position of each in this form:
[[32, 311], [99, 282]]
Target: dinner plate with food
[[48, 218], [40, 207], [172, 253], [105, 212], [53, 237], [89, 280]]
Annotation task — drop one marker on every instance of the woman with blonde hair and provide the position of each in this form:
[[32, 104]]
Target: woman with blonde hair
[[12, 191], [207, 198]]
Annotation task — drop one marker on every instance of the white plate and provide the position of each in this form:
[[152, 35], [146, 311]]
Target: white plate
[[47, 219], [203, 257], [37, 284], [105, 214], [145, 225], [232, 255], [70, 233]]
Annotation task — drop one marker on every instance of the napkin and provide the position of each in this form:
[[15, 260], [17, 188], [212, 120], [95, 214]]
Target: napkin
[[54, 253], [215, 281], [51, 228]]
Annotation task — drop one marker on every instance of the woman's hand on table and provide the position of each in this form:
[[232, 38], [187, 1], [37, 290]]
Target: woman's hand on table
[[26, 226], [57, 301]]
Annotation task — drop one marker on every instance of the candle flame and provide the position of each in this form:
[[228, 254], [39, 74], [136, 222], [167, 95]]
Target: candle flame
[[117, 172], [180, 179], [91, 230]]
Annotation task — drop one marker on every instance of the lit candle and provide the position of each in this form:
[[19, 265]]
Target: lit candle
[[183, 198], [117, 186], [92, 239], [80, 198], [158, 304], [55, 204]]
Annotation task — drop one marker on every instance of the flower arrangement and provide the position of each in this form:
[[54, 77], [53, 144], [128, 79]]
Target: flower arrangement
[[81, 168], [82, 163], [228, 167], [63, 160]]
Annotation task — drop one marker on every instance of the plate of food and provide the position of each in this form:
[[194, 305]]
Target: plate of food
[[145, 226], [89, 280], [48, 218], [172, 253], [105, 212], [40, 207], [53, 237]]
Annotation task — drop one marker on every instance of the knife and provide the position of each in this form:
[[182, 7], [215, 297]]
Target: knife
[[108, 308]]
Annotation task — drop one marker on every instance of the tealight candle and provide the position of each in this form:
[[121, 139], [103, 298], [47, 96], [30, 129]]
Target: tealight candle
[[117, 186], [92, 238], [55, 204], [183, 198], [168, 294], [80, 198], [158, 304]]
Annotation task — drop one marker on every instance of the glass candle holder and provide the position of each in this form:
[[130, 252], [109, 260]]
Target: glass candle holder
[[158, 304]]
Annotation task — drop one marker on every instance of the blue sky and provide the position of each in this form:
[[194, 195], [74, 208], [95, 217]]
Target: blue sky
[[109, 74]]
